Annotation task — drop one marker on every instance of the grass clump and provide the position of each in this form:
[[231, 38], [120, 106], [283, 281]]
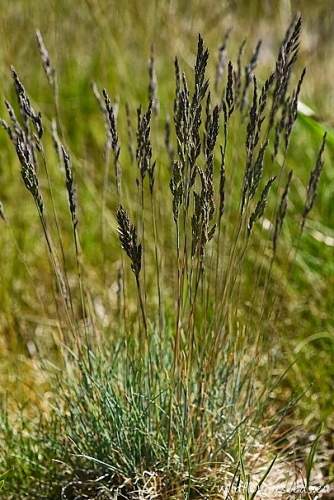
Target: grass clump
[[172, 391]]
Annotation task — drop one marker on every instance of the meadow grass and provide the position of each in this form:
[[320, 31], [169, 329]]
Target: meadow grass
[[169, 370]]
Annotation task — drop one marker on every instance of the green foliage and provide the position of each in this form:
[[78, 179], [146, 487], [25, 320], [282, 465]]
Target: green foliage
[[109, 432]]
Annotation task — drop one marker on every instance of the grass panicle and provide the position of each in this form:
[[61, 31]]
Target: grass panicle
[[49, 69], [281, 212], [313, 182], [128, 238], [261, 205], [153, 84], [222, 60], [112, 138], [70, 187]]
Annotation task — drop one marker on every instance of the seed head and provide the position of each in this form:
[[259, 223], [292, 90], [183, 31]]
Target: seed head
[[176, 187], [144, 147], [261, 205], [46, 61], [221, 60], [70, 187], [313, 182], [281, 212], [128, 237], [153, 84], [27, 111]]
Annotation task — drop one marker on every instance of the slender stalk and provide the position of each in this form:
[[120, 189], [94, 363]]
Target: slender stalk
[[174, 384], [142, 308], [59, 235], [157, 262], [56, 270]]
